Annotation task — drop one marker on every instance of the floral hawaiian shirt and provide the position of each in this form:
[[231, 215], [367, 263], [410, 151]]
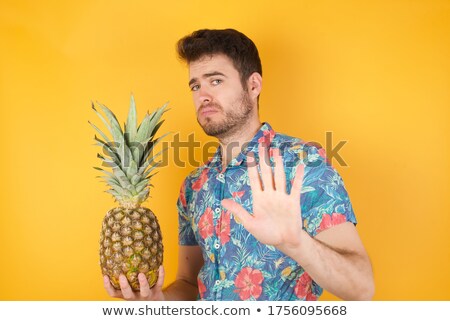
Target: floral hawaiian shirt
[[236, 265]]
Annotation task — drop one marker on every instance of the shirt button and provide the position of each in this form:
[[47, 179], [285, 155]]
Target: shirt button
[[216, 246], [217, 282], [221, 176], [218, 210]]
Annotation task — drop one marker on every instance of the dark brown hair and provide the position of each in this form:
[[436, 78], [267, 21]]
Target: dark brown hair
[[234, 44]]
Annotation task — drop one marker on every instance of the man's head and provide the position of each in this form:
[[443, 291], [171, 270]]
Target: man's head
[[225, 79], [229, 42]]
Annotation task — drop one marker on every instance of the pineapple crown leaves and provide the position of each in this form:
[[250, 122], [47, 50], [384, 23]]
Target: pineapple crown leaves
[[129, 153]]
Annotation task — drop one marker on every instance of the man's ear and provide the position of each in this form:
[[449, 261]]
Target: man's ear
[[254, 84]]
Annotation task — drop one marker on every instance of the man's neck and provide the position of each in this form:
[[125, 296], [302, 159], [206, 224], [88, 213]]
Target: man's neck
[[232, 144]]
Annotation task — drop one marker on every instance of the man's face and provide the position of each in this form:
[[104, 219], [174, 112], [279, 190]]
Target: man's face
[[222, 105]]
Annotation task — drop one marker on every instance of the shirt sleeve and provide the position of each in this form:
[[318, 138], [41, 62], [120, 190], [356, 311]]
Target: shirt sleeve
[[324, 200], [186, 235]]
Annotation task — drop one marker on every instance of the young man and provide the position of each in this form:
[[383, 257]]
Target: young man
[[267, 218]]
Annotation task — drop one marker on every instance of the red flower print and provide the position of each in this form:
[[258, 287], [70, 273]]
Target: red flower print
[[262, 139], [183, 195], [223, 232], [303, 288], [201, 288], [331, 220], [205, 224], [197, 185], [248, 283], [238, 194], [266, 137]]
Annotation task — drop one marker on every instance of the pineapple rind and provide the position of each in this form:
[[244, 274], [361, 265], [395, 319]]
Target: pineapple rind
[[131, 243]]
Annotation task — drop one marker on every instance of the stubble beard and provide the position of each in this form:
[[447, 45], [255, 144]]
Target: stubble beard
[[234, 119]]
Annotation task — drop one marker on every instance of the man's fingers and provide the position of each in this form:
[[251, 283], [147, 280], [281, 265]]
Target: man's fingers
[[253, 175], [266, 169], [144, 287], [110, 289], [145, 292], [127, 291], [298, 180], [159, 284], [280, 175], [242, 215]]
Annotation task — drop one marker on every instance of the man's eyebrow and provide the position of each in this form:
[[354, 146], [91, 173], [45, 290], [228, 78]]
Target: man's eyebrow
[[209, 74]]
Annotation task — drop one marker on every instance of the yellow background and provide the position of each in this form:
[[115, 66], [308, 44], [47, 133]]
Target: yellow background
[[375, 73]]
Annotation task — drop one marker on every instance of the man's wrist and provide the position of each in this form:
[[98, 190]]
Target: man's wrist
[[298, 248]]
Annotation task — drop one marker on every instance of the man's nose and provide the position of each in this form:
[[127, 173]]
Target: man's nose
[[204, 95]]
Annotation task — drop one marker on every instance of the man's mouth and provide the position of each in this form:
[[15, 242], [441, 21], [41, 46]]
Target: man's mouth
[[207, 111]]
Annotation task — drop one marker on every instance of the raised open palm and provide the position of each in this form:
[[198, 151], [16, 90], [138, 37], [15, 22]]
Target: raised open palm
[[276, 218]]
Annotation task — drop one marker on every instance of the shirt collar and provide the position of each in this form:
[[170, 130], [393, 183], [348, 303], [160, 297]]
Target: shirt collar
[[265, 135]]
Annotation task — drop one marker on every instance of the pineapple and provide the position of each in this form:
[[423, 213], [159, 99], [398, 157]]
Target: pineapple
[[131, 239]]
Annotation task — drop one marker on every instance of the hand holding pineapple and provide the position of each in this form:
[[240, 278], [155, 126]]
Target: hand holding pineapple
[[145, 293], [131, 239]]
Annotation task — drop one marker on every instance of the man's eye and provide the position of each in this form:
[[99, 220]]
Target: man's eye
[[195, 88], [216, 81]]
